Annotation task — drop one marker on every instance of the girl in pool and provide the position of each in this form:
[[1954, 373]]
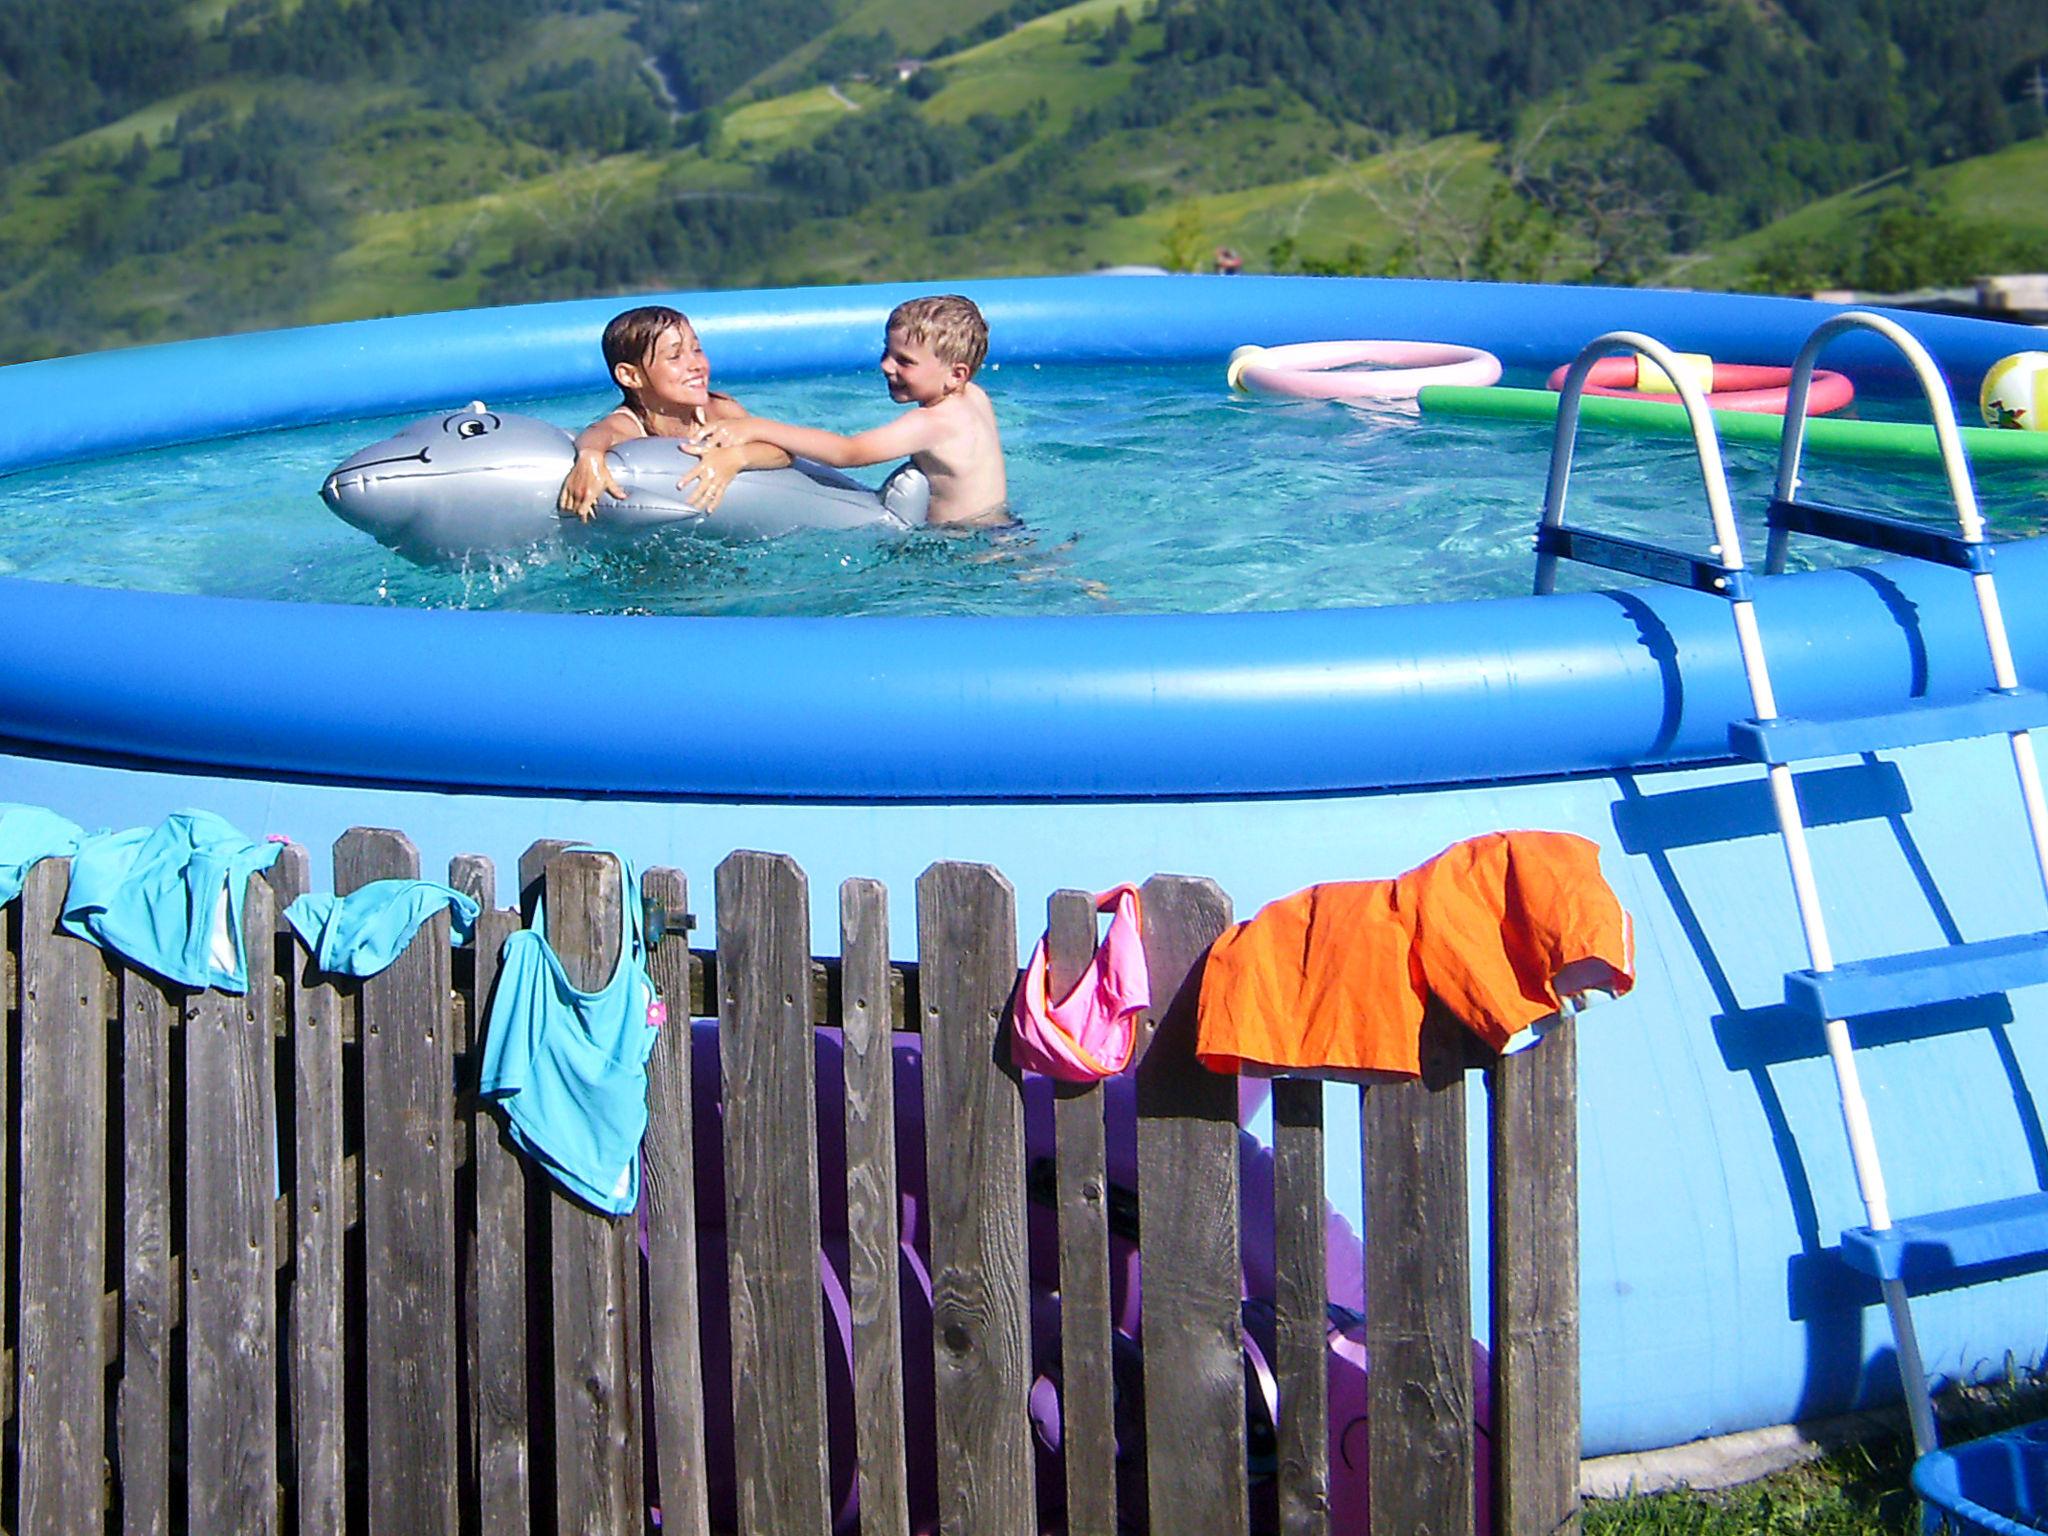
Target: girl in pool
[[660, 368]]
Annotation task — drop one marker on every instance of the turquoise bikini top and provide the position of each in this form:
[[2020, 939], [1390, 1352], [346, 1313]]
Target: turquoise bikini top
[[570, 1066]]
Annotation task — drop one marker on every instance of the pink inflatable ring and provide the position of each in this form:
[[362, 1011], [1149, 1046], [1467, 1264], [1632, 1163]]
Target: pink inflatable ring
[[1328, 370], [1736, 387]]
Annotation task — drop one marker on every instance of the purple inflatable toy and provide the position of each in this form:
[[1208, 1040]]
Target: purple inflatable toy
[[1345, 1277]]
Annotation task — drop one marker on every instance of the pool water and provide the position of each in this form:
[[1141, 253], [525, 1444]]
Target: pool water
[[1143, 489]]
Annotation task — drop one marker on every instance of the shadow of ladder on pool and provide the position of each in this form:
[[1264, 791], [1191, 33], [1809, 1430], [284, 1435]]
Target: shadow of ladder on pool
[[1937, 1247]]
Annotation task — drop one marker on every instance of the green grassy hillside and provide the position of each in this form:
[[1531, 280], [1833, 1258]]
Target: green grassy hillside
[[912, 25], [305, 160], [1905, 230]]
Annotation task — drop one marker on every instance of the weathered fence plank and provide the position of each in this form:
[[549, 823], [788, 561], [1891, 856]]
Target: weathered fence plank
[[498, 1304], [1188, 1217], [873, 1279], [1081, 1151], [63, 1215], [408, 1210], [148, 1011], [595, 1259], [533, 865], [1535, 1261], [541, 1493], [477, 878], [1418, 1302], [673, 1350], [313, 1027], [495, 1279], [1301, 1320], [974, 1178], [13, 1008], [768, 1068], [230, 1226]]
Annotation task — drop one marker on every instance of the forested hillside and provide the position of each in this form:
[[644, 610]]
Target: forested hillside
[[173, 167]]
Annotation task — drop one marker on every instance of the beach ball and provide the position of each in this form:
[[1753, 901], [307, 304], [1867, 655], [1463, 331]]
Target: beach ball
[[2015, 392]]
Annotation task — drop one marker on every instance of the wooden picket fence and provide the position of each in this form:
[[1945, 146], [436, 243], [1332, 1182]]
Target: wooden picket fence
[[270, 1266]]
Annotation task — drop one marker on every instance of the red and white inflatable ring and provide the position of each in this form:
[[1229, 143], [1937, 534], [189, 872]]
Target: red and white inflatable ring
[[1737, 387]]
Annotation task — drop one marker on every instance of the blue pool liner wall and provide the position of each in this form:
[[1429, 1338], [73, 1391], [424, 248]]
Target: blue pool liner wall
[[1070, 707]]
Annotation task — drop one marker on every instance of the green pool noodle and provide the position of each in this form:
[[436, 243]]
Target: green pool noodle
[[1824, 434]]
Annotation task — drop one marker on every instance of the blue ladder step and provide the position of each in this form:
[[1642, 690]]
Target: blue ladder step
[[1994, 712], [1944, 975], [1941, 1242]]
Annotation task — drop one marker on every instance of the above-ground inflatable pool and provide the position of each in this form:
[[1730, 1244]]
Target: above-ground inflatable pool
[[1268, 750]]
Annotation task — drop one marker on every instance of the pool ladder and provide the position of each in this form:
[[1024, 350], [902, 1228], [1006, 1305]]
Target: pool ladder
[[1938, 1246]]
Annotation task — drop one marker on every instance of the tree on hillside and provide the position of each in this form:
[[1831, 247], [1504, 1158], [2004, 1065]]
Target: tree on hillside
[[1414, 191], [1182, 248], [708, 49], [70, 65], [1115, 39], [891, 149], [1906, 240]]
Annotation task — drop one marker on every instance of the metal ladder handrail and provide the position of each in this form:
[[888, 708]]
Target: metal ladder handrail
[[1727, 545], [1969, 517], [1962, 491], [1706, 441], [1955, 462], [1792, 831]]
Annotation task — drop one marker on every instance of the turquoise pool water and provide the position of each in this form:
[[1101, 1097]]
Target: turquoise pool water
[[1144, 489]]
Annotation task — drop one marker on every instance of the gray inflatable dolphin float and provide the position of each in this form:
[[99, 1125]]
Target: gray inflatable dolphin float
[[478, 481]]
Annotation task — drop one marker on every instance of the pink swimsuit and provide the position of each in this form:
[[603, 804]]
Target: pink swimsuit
[[1092, 1032]]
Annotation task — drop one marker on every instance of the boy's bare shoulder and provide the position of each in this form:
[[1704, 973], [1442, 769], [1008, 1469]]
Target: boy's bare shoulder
[[971, 404], [954, 419], [978, 402]]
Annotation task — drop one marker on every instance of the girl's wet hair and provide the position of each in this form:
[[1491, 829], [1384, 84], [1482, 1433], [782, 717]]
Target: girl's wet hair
[[631, 336]]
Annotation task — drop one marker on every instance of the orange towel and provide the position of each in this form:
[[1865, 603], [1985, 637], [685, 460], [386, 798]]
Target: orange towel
[[1335, 978]]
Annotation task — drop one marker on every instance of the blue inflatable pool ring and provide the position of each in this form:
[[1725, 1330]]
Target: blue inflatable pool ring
[[479, 482], [895, 708]]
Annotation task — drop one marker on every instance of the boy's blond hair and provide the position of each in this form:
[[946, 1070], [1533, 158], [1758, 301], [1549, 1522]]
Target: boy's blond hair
[[947, 323]]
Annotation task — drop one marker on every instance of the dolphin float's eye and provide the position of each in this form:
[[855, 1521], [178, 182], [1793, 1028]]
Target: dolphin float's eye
[[471, 428]]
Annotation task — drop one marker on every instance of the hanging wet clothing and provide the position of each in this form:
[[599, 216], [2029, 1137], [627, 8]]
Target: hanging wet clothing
[[1335, 979], [570, 1066], [360, 934], [28, 835], [1092, 1032], [169, 898]]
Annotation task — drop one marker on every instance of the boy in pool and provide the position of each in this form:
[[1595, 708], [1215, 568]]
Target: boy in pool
[[661, 370], [934, 345]]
